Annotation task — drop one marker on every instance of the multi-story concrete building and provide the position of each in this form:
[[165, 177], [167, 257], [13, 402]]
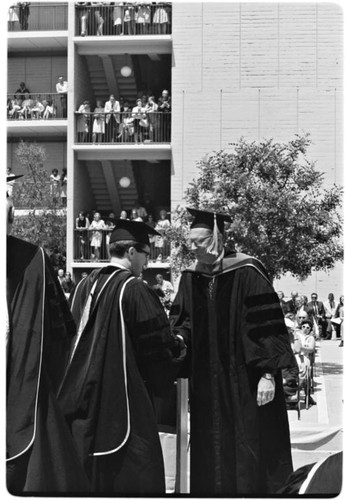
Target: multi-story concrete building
[[252, 70]]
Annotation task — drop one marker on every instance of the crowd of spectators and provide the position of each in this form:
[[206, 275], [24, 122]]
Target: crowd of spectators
[[115, 121], [326, 316], [308, 321], [123, 18], [66, 282], [25, 105], [93, 230]]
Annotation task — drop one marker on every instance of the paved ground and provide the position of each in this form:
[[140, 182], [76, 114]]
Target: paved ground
[[327, 414]]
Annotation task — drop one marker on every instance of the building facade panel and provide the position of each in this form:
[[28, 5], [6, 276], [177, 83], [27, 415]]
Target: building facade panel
[[40, 73]]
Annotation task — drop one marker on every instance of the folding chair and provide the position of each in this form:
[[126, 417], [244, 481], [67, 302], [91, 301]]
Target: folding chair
[[295, 400]]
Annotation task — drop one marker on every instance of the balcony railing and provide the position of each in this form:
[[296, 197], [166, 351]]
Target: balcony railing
[[42, 106], [123, 19], [123, 128], [39, 17], [93, 245]]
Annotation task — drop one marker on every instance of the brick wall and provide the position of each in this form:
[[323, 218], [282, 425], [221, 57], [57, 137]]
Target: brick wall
[[257, 71], [40, 73]]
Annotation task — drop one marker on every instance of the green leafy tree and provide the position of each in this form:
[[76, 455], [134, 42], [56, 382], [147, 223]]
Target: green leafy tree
[[43, 222], [281, 214]]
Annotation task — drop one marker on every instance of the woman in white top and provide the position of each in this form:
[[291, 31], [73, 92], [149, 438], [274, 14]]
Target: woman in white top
[[98, 127], [97, 226]]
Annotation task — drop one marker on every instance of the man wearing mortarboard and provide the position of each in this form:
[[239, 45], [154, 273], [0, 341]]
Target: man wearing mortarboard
[[123, 350], [230, 318], [40, 454]]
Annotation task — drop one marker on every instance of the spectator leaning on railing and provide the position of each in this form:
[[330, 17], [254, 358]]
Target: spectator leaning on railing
[[61, 88]]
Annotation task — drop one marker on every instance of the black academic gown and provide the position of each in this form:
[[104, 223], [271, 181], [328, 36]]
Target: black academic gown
[[124, 351], [41, 457], [234, 327]]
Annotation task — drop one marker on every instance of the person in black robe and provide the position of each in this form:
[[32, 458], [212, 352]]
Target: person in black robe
[[228, 314], [41, 456], [124, 352]]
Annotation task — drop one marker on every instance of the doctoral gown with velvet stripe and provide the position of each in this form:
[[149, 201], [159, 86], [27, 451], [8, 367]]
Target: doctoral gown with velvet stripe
[[124, 351], [41, 456], [233, 325]]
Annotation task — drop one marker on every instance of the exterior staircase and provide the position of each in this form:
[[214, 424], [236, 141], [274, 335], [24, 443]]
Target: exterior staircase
[[127, 196], [98, 185], [103, 85], [108, 194]]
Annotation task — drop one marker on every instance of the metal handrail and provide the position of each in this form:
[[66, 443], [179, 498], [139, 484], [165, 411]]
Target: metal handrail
[[123, 18], [40, 17], [42, 105], [84, 250], [123, 127]]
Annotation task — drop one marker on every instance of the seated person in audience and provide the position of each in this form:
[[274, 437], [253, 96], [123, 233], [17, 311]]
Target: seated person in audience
[[37, 109], [27, 105], [299, 304], [307, 339], [300, 316], [16, 106], [49, 110]]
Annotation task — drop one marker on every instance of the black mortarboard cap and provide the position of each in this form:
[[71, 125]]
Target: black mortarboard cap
[[205, 219], [10, 178], [132, 230]]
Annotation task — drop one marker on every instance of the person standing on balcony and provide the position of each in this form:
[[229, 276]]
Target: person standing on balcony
[[160, 20], [24, 12], [22, 91], [124, 354], [97, 227], [98, 127], [164, 107], [143, 19], [161, 243], [118, 18], [151, 109], [229, 315], [112, 118], [55, 185], [82, 223], [99, 19], [83, 121], [12, 16], [62, 88]]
